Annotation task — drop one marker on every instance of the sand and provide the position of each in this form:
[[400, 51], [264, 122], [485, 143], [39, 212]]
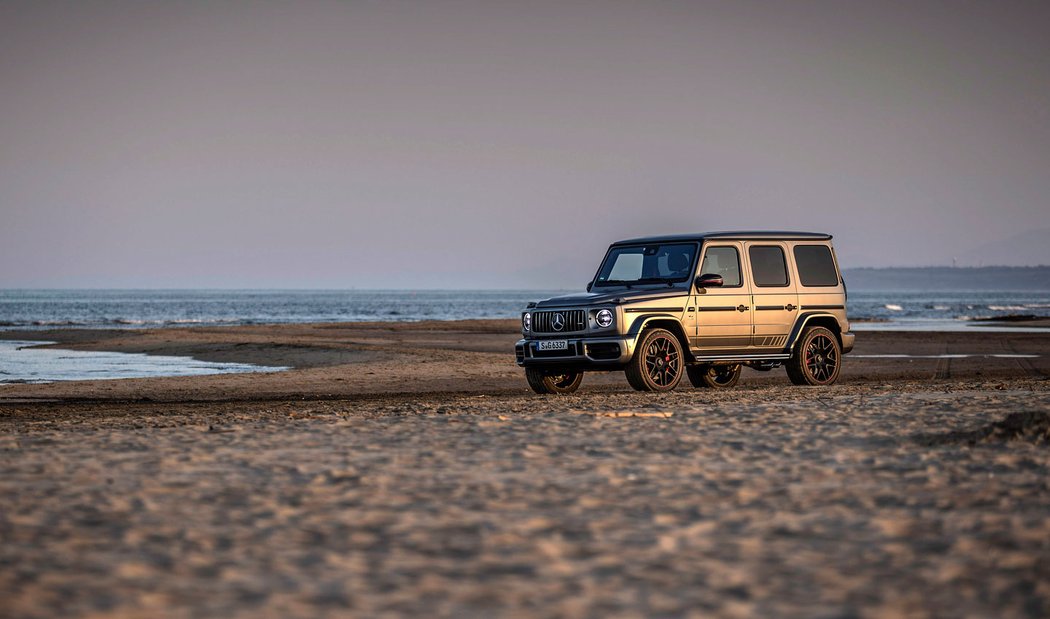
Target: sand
[[407, 470]]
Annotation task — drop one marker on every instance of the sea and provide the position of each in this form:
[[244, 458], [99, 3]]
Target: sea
[[39, 310], [135, 309]]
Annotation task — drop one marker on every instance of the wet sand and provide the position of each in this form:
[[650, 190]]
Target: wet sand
[[407, 470]]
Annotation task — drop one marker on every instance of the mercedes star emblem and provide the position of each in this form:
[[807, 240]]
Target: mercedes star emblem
[[558, 321]]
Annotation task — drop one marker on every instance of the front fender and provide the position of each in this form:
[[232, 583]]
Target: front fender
[[642, 322]]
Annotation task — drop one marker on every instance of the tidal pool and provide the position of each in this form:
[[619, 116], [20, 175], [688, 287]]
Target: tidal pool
[[22, 362]]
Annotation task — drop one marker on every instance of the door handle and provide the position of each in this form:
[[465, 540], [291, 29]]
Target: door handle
[[741, 308], [789, 307]]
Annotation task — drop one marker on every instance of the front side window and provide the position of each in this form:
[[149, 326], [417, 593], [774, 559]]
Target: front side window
[[768, 266], [647, 264], [816, 266], [722, 261]]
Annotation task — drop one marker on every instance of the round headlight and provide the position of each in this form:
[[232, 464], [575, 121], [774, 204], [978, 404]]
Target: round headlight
[[604, 318], [526, 321]]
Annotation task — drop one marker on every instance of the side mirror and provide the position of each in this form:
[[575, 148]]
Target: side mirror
[[709, 280], [589, 286]]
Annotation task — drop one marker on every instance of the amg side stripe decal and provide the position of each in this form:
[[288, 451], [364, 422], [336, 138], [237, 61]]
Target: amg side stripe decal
[[652, 309]]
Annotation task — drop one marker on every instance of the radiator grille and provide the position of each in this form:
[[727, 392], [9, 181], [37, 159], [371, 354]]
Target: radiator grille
[[572, 320]]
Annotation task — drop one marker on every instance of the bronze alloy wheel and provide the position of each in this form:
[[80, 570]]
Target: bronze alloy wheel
[[714, 376], [657, 362], [553, 382], [816, 359]]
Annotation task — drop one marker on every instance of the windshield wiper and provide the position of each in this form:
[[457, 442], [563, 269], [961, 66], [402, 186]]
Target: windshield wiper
[[655, 280], [616, 282], [635, 282]]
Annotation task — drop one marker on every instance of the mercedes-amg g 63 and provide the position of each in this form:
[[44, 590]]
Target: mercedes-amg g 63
[[702, 305]]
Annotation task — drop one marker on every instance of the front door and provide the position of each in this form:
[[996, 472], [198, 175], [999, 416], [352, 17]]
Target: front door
[[775, 297], [723, 313]]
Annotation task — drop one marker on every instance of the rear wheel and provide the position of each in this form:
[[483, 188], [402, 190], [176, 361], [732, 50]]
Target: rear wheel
[[714, 376], [545, 381], [816, 359], [657, 362]]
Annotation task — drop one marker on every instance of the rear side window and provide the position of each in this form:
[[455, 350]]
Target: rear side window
[[767, 265], [816, 267]]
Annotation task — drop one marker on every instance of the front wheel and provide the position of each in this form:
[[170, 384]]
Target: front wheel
[[553, 382], [714, 376], [657, 362], [816, 359]]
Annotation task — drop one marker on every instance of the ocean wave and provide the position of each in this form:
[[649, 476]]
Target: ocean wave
[[1006, 308], [893, 307], [168, 321], [1004, 318]]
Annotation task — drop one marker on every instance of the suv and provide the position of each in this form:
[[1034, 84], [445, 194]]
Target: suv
[[700, 304]]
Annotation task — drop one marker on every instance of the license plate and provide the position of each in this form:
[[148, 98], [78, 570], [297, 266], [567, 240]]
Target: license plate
[[552, 345]]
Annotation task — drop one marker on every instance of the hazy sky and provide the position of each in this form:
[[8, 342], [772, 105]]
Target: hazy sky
[[490, 144]]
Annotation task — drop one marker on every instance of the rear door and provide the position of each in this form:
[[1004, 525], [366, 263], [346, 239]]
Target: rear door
[[774, 294], [723, 314]]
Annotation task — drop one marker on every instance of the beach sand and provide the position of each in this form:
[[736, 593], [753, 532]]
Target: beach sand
[[406, 469]]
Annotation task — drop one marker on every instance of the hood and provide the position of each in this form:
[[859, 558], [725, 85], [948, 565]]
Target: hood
[[584, 299]]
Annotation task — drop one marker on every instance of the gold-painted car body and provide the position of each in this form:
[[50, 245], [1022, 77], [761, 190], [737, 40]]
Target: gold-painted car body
[[742, 323]]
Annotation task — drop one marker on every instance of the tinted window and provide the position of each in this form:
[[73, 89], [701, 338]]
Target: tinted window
[[816, 267], [722, 261], [767, 265], [648, 264]]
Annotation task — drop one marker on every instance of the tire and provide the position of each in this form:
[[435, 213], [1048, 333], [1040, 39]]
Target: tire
[[657, 362], [714, 376], [545, 381], [817, 358]]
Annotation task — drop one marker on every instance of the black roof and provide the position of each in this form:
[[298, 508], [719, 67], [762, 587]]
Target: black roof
[[734, 234]]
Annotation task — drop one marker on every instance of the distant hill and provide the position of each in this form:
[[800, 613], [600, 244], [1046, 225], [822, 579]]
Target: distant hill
[[1027, 248], [949, 278]]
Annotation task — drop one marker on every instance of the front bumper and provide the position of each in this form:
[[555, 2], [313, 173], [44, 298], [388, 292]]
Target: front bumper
[[592, 352], [847, 341]]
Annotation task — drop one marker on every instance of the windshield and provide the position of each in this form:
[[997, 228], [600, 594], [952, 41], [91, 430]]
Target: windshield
[[647, 264]]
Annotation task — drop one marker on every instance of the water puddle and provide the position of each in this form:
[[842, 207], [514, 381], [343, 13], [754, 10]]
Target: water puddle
[[946, 356], [940, 326], [20, 362]]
